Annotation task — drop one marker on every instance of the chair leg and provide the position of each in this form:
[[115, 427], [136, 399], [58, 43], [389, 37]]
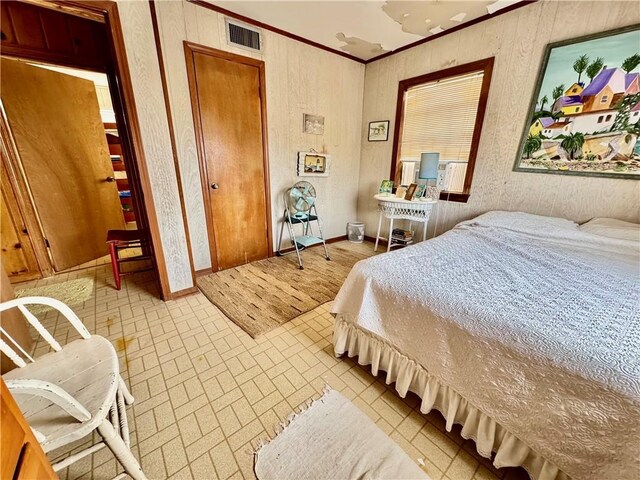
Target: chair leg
[[115, 265], [128, 398], [122, 453]]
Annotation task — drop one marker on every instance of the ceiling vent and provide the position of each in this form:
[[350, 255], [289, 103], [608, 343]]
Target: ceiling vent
[[241, 35]]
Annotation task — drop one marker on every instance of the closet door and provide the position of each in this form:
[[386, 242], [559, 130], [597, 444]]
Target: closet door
[[228, 101], [60, 139]]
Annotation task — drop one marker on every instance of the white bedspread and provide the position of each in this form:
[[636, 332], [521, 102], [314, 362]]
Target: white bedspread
[[534, 322]]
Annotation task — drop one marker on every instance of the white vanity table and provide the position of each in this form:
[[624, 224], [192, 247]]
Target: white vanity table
[[395, 208]]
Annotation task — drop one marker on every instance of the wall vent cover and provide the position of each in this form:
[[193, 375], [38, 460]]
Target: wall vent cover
[[242, 35]]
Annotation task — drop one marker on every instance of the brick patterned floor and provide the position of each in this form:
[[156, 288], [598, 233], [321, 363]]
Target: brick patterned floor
[[206, 392]]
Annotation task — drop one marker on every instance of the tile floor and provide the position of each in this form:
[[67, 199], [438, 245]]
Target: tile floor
[[206, 392]]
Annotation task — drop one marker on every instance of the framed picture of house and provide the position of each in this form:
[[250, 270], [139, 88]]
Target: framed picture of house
[[584, 117], [379, 131], [313, 164]]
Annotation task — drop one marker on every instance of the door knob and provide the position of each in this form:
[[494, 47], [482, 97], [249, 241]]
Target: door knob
[[215, 186], [110, 179]]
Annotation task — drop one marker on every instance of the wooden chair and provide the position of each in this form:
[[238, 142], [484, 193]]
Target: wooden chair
[[119, 240], [67, 394]]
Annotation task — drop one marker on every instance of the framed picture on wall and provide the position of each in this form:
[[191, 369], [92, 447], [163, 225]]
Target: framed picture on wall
[[584, 117], [379, 131], [313, 164], [313, 124]]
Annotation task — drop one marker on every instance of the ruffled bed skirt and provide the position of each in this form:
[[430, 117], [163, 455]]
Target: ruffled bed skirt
[[410, 376]]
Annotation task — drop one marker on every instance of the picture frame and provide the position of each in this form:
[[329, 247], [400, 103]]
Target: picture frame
[[313, 124], [420, 191], [590, 87], [313, 164], [386, 187], [379, 131], [401, 191], [410, 191]]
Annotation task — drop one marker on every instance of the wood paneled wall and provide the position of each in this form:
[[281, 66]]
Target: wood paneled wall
[[142, 58], [299, 79], [517, 40]]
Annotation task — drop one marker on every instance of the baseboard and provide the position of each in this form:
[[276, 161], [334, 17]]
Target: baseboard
[[337, 239], [327, 240], [373, 240], [207, 271]]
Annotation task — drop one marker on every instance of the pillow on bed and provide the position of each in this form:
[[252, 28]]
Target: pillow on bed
[[610, 227]]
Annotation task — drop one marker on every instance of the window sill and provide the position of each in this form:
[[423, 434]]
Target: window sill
[[454, 197]]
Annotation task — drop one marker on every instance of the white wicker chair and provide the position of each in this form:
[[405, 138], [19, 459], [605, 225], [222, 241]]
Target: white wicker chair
[[67, 394]]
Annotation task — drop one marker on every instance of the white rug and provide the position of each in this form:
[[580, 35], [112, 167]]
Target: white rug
[[333, 439], [72, 292]]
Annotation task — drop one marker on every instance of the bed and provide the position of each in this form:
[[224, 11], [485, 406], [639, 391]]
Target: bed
[[524, 329]]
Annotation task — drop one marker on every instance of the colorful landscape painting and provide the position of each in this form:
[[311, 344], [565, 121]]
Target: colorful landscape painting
[[585, 117]]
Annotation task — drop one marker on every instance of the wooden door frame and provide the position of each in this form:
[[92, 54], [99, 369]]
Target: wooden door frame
[[190, 49], [125, 109]]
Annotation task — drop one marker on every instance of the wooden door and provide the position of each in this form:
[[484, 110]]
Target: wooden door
[[227, 94], [18, 256], [55, 121]]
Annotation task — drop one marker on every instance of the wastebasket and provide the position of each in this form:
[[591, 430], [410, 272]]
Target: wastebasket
[[355, 232]]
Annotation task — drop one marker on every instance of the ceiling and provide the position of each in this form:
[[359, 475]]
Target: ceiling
[[364, 29]]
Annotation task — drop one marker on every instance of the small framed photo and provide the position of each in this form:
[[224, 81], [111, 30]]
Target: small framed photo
[[400, 191], [386, 187], [313, 124], [379, 131], [420, 191], [410, 191], [313, 164]]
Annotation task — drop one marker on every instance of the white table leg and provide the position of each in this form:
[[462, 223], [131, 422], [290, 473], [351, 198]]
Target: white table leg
[[390, 234], [375, 249], [424, 231]]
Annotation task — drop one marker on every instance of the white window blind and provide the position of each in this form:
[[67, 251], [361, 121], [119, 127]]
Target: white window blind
[[440, 117]]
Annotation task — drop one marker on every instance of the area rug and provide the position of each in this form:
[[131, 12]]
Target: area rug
[[71, 292], [333, 439], [263, 295]]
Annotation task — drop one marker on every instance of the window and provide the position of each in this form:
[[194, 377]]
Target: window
[[600, 119], [604, 99], [608, 118], [442, 112], [577, 109], [574, 90]]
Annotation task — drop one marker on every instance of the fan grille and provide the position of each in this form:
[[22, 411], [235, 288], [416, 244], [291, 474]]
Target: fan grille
[[301, 197]]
